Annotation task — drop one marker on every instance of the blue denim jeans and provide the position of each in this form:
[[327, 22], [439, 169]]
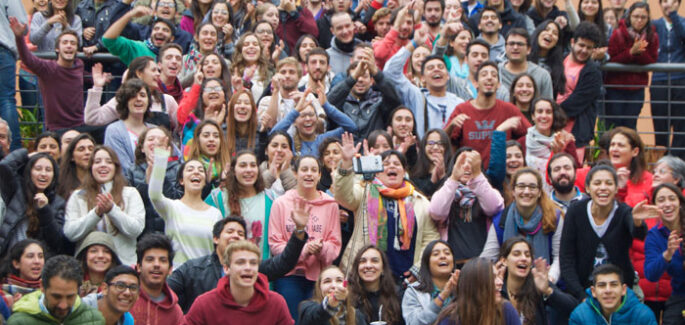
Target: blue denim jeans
[[8, 105], [294, 289]]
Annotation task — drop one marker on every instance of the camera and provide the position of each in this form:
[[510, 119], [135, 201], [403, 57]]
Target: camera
[[368, 166]]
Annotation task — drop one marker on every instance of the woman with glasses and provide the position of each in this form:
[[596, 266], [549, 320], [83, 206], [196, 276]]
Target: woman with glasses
[[532, 215], [206, 41], [633, 42], [430, 169]]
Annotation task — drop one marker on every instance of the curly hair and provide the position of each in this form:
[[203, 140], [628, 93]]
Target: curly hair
[[128, 91]]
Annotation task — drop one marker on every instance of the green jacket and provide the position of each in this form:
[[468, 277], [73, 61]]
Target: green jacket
[[28, 311], [127, 49]]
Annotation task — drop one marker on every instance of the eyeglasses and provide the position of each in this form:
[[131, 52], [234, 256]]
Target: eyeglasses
[[122, 286], [519, 44], [523, 187], [263, 31], [216, 89], [166, 4], [640, 17], [434, 143], [220, 12]]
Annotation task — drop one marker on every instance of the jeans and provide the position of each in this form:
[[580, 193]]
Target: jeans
[[676, 111], [294, 289], [628, 108], [31, 97], [8, 105]]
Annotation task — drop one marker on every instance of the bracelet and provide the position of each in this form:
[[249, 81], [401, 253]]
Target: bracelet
[[414, 44], [441, 300]]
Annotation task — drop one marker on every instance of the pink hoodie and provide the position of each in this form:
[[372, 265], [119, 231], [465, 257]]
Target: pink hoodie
[[324, 223]]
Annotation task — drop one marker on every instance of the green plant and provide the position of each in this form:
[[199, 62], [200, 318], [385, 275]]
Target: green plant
[[601, 128], [29, 125]]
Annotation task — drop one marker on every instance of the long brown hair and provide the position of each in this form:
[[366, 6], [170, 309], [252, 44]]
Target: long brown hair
[[222, 158], [232, 125], [68, 176], [139, 153], [239, 63], [30, 191], [92, 188], [350, 311], [233, 186], [549, 208], [638, 164], [388, 293], [527, 296], [475, 301]]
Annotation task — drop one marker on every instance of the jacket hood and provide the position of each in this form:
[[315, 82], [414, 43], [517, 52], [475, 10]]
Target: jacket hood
[[259, 300], [323, 198], [167, 304], [629, 301], [30, 304]]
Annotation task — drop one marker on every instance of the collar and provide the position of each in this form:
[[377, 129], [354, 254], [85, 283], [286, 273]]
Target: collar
[[576, 197]]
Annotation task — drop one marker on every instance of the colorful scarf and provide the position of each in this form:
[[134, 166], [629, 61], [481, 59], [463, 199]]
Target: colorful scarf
[[151, 46], [378, 215], [205, 163], [466, 198]]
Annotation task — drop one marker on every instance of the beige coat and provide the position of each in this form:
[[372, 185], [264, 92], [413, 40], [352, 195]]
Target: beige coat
[[350, 192]]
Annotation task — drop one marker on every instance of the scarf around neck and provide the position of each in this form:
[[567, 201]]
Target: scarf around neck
[[466, 198], [531, 230], [378, 215], [537, 148], [345, 47], [151, 46]]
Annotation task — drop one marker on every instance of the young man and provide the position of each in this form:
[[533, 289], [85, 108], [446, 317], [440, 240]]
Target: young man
[[242, 296], [472, 123], [583, 86], [57, 302], [509, 17], [610, 301], [8, 67], [431, 105], [127, 49], [368, 108], [318, 71], [343, 41], [671, 31], [157, 303], [561, 173], [60, 82], [325, 22], [200, 275], [170, 60], [489, 26], [120, 290], [396, 38], [432, 15], [517, 47]]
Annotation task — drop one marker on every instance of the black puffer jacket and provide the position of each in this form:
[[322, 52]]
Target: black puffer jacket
[[172, 190], [14, 222]]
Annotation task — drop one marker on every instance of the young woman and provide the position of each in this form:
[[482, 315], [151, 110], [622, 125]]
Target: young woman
[[413, 72], [600, 230], [547, 50], [330, 304], [163, 107], [330, 154], [138, 175], [46, 26], [522, 93], [275, 167], [303, 117], [221, 16], [437, 281], [477, 298], [611, 18], [372, 286], [669, 169], [209, 148], [531, 214], [464, 205], [189, 220], [591, 11], [21, 268], [267, 38], [634, 42], [430, 169], [663, 253], [249, 64], [547, 9], [73, 168], [210, 104], [241, 122], [324, 241], [48, 142], [133, 105], [403, 130], [378, 142], [456, 54], [206, 40], [243, 194], [193, 16], [515, 160], [305, 44], [104, 203], [33, 208], [97, 255], [389, 209]]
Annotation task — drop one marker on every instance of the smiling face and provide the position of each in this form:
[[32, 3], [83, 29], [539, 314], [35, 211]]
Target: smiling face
[[67, 48], [308, 174], [549, 37], [519, 260], [489, 22], [213, 93], [242, 269], [210, 139], [50, 146], [332, 155], [383, 26], [517, 48], [211, 67], [663, 174], [441, 261], [154, 138], [609, 291], [307, 45], [402, 123], [306, 122], [563, 174], [161, 34], [669, 204], [602, 188], [166, 9], [514, 160], [59, 4], [330, 280], [477, 55], [370, 267], [363, 84], [242, 110], [40, 5], [265, 34], [98, 259], [639, 18], [277, 149], [42, 174], [393, 172], [524, 90], [137, 106], [589, 8], [103, 167], [381, 145], [343, 28], [30, 264], [434, 146], [246, 170], [232, 232], [621, 152], [543, 116], [207, 38], [435, 74], [317, 67], [582, 49], [82, 151], [251, 49], [488, 80], [121, 301], [220, 14], [150, 75], [154, 268], [171, 62], [417, 57], [527, 190], [194, 177], [461, 42]]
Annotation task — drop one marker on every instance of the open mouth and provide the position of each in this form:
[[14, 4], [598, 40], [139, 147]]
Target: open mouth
[[392, 174], [213, 96], [196, 179], [104, 172]]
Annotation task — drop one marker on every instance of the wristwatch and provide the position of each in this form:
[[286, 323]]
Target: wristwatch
[[345, 172], [299, 231]]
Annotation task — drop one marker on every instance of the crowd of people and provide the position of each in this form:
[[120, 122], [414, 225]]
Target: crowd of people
[[340, 162]]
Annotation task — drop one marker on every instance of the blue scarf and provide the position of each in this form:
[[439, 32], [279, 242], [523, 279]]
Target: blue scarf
[[531, 229], [151, 46]]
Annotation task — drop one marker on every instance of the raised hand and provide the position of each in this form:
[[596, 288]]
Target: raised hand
[[275, 56], [402, 15], [198, 77], [348, 150], [407, 142], [100, 78], [140, 11], [303, 101], [17, 27], [540, 273], [359, 70], [438, 168], [359, 27], [674, 241], [643, 211], [300, 214], [474, 161], [458, 169], [451, 285], [421, 34], [314, 247], [216, 112]]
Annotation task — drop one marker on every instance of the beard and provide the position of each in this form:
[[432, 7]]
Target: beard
[[563, 188], [489, 93], [434, 24]]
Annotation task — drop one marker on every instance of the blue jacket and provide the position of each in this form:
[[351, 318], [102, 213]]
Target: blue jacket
[[631, 311], [655, 265], [671, 45]]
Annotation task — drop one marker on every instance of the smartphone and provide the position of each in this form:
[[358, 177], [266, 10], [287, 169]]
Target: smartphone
[[368, 164]]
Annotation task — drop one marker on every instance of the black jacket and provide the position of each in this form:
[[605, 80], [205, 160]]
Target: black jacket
[[201, 274], [510, 19], [100, 19], [582, 103], [312, 313], [50, 217], [579, 244], [562, 303]]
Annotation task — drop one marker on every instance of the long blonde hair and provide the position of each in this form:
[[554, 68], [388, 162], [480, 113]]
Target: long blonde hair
[[223, 156], [350, 311], [549, 209]]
